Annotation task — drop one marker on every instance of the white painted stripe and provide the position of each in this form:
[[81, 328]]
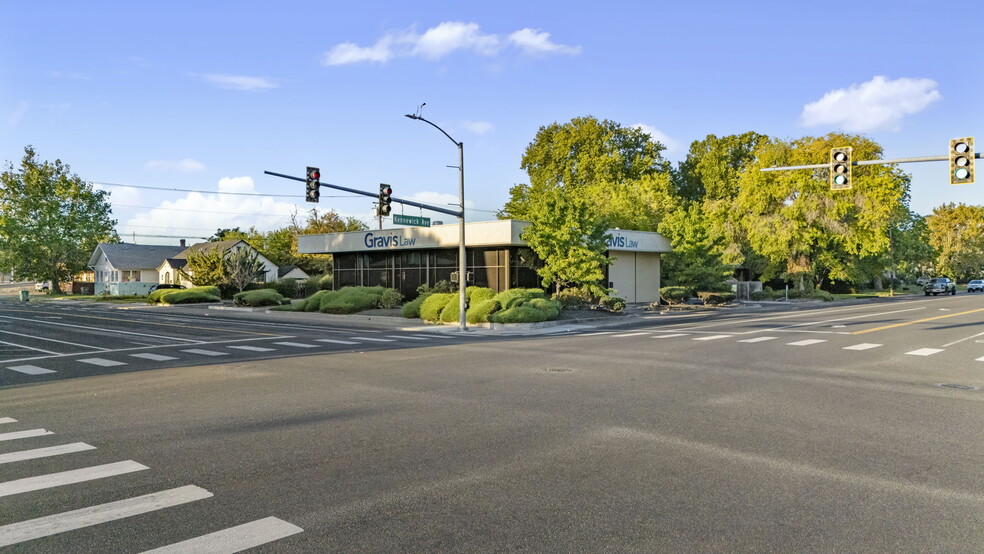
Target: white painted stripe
[[711, 337], [981, 359], [28, 484], [44, 452], [862, 346], [101, 362], [24, 434], [253, 348], [27, 347], [30, 369], [337, 341], [103, 329], [35, 337], [758, 339], [94, 515], [154, 357], [598, 333], [806, 342], [372, 339], [404, 337], [925, 352], [7, 420], [671, 336], [297, 344], [205, 352], [629, 335], [233, 539]]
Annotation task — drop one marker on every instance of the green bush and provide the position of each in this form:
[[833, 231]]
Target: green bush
[[517, 297], [349, 300], [716, 298], [551, 308], [760, 295], [518, 314], [612, 303], [479, 312], [440, 287], [158, 295], [286, 287], [452, 311], [311, 303], [325, 282], [478, 294], [674, 295], [412, 309], [574, 298], [390, 298], [257, 298], [189, 296], [431, 309]]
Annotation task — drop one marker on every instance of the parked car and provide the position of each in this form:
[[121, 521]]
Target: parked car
[[42, 286], [977, 285], [160, 286], [940, 285], [921, 281]]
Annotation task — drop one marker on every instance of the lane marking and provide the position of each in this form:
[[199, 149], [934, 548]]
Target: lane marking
[[233, 539], [24, 434], [117, 350], [914, 322], [404, 337], [806, 342], [372, 339], [131, 322], [862, 346], [205, 352], [598, 333], [101, 362], [154, 357], [253, 348], [105, 329], [963, 339], [30, 369], [70, 477], [35, 337], [743, 320], [336, 341], [27, 347], [297, 344], [44, 452], [94, 515], [981, 359], [7, 420], [630, 335], [712, 337], [758, 339], [671, 336], [924, 352]]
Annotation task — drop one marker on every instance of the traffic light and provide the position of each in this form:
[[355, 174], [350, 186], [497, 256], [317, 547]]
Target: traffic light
[[385, 199], [962, 161], [313, 184], [840, 168]]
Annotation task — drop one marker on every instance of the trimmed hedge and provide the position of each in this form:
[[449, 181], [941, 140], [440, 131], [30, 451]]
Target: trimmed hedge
[[479, 312], [349, 300], [311, 303], [452, 310], [476, 295], [189, 296], [412, 309], [674, 295], [517, 297], [612, 303], [431, 309], [574, 298], [550, 308], [390, 298], [257, 298], [158, 295], [715, 298], [518, 314]]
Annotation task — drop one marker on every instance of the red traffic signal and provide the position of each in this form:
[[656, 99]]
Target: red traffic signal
[[313, 182]]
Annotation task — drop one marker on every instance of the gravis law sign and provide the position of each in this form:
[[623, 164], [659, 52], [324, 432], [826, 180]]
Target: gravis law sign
[[373, 240], [619, 241]]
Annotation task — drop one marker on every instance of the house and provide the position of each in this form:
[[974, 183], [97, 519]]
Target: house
[[292, 272], [174, 268], [122, 268]]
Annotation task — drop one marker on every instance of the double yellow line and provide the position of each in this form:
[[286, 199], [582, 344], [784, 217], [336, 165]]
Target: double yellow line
[[914, 322]]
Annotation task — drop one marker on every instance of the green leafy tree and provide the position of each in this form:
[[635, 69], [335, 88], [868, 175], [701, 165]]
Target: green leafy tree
[[50, 220], [206, 268], [913, 255], [693, 263], [243, 267], [318, 223], [956, 231]]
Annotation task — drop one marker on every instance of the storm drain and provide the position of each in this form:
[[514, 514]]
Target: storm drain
[[956, 386]]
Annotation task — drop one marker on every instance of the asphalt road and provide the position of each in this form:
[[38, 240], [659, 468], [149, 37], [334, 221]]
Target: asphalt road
[[852, 428]]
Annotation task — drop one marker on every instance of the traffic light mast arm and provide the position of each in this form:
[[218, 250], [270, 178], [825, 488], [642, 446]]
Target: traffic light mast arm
[[373, 195], [977, 155]]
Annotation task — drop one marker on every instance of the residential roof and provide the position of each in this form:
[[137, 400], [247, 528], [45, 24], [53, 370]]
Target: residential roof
[[176, 263], [224, 245], [282, 271], [133, 256]]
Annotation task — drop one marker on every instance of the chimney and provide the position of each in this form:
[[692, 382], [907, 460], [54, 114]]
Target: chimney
[[182, 243]]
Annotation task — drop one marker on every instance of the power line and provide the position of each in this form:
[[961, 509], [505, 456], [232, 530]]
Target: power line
[[209, 191]]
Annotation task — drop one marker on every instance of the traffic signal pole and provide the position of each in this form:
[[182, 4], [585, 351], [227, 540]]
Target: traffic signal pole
[[977, 155]]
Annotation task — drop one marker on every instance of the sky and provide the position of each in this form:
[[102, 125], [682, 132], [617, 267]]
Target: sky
[[206, 96]]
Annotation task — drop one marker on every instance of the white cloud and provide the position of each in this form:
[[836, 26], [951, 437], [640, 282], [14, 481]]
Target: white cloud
[[478, 127], [15, 117], [239, 82], [533, 41], [442, 40], [671, 144], [187, 165], [879, 104], [120, 195]]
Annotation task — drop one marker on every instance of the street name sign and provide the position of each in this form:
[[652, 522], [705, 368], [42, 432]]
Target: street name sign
[[416, 221]]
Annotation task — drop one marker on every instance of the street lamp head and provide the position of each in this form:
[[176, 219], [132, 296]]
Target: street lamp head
[[412, 116]]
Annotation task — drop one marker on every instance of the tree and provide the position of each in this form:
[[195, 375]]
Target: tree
[[50, 220], [693, 262], [317, 223], [913, 255], [243, 267], [956, 231], [207, 267]]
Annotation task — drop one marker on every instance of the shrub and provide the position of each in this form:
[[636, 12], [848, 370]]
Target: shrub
[[452, 310], [286, 287], [390, 298], [674, 295], [760, 295], [189, 296], [311, 303], [158, 295], [349, 300], [551, 308], [431, 309], [326, 282], [256, 298], [440, 287], [518, 314], [715, 298], [478, 294], [479, 312], [612, 303], [412, 309], [517, 297], [574, 298]]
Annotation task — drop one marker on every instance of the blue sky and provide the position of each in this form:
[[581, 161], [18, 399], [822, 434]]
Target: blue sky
[[208, 95]]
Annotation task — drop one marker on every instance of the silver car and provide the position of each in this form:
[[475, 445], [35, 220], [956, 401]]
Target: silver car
[[977, 285]]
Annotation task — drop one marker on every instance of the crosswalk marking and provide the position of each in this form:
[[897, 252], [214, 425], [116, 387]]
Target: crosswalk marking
[[758, 339], [711, 337], [44, 452], [806, 342], [981, 359], [28, 484], [7, 420], [154, 357], [234, 539], [297, 344], [924, 351], [77, 519], [629, 335], [101, 362], [862, 346], [30, 369], [205, 352], [404, 337], [337, 341], [372, 339], [24, 434], [253, 348], [671, 336]]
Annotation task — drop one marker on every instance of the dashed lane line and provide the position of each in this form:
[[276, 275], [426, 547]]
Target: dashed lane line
[[862, 346], [882, 328], [758, 339], [28, 347], [154, 357], [806, 342], [101, 362], [7, 420], [405, 337], [118, 350], [630, 334], [297, 344], [35, 337], [30, 369], [77, 519], [24, 434], [336, 341], [372, 339], [924, 352], [70, 477], [234, 539], [670, 336], [253, 348], [205, 352], [712, 337], [45, 452]]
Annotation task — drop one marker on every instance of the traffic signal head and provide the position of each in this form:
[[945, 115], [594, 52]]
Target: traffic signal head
[[840, 168], [313, 184], [385, 199], [962, 161]]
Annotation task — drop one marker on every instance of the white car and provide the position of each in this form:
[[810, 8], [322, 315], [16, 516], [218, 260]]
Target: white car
[[977, 285], [42, 286]]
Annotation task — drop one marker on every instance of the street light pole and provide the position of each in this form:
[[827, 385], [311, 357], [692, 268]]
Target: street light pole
[[462, 266]]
